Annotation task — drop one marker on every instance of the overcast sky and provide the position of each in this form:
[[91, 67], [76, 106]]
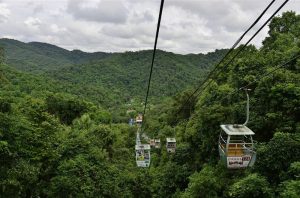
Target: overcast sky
[[188, 26]]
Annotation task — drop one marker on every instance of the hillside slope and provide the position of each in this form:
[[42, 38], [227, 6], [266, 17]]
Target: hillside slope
[[123, 75], [127, 74], [39, 57]]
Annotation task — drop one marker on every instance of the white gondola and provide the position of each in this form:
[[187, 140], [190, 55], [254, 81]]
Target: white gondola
[[142, 155], [157, 143], [171, 145], [236, 148]]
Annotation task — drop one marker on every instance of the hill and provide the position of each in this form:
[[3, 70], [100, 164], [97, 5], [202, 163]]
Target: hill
[[126, 74], [55, 144], [122, 76], [39, 57]]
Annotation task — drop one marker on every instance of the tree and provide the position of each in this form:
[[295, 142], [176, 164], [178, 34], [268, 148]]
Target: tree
[[1, 55], [206, 183], [253, 185], [65, 108], [287, 24], [275, 157], [290, 189], [168, 179], [5, 105]]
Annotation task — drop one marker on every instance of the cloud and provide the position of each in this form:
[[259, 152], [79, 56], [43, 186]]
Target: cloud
[[219, 14], [38, 9], [33, 22], [4, 12], [109, 11], [187, 26], [142, 17], [56, 29], [147, 16]]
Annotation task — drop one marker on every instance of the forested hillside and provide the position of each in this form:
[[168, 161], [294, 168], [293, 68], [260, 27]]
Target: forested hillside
[[122, 76], [39, 57], [57, 141]]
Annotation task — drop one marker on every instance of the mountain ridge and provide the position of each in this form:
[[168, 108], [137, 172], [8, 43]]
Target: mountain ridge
[[122, 74]]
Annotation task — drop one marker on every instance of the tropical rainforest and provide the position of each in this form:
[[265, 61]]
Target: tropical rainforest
[[64, 115]]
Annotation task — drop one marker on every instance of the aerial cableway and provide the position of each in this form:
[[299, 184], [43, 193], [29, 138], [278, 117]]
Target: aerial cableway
[[236, 144], [236, 147], [142, 151]]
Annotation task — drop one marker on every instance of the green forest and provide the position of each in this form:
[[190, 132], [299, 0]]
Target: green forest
[[64, 115], [109, 79]]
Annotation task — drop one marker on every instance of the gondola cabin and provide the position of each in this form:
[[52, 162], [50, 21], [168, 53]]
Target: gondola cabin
[[131, 122], [171, 145], [236, 147], [142, 155], [157, 143], [152, 142], [139, 119]]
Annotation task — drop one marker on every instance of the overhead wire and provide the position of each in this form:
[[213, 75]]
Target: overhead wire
[[225, 56], [153, 57], [236, 43], [230, 50], [294, 57], [271, 72], [208, 79], [279, 66]]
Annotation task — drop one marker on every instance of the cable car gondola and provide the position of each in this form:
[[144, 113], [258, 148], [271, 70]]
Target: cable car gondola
[[157, 143], [131, 122], [142, 155], [152, 142], [171, 145], [236, 148], [139, 120]]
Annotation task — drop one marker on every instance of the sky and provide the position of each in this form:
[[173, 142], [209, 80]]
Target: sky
[[187, 26]]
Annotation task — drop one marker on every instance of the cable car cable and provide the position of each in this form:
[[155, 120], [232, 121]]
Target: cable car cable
[[227, 54], [294, 57], [153, 57], [234, 45], [255, 34], [271, 72], [246, 44], [231, 60]]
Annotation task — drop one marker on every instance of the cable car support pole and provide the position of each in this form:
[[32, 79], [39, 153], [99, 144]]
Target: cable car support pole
[[247, 107]]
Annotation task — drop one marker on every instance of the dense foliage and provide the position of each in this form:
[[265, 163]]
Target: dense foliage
[[274, 117], [58, 142], [109, 79]]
